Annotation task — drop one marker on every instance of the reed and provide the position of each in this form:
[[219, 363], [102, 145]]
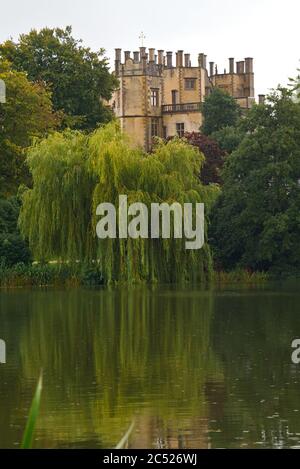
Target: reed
[[240, 276], [33, 415]]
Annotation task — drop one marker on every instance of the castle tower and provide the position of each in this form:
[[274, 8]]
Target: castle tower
[[139, 98], [239, 82], [159, 99]]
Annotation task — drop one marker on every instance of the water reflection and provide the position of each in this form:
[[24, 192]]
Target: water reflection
[[194, 369]]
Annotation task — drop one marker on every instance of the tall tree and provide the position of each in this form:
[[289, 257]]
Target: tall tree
[[79, 79], [26, 114], [13, 249], [74, 173], [295, 85], [256, 222], [219, 110], [214, 157], [228, 138]]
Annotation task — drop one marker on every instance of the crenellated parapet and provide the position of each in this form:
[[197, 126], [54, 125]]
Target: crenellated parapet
[[161, 92]]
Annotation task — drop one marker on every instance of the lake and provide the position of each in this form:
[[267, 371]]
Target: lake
[[192, 368]]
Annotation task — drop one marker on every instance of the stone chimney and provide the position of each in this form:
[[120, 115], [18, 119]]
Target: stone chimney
[[249, 65], [261, 99], [118, 53], [169, 59], [142, 52], [187, 60], [127, 55], [231, 65], [136, 57], [151, 54], [160, 57], [143, 58], [211, 68], [179, 58]]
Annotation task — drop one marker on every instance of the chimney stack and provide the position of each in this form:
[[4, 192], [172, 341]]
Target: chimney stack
[[231, 65], [202, 60], [187, 60], [143, 58], [179, 58], [136, 57], [261, 98], [160, 57], [127, 55], [211, 68], [249, 65], [151, 54], [118, 53], [142, 52], [169, 59]]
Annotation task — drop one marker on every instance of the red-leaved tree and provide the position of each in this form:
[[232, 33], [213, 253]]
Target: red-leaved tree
[[214, 157]]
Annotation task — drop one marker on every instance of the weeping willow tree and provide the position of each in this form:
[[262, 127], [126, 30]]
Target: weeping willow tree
[[56, 213], [73, 174]]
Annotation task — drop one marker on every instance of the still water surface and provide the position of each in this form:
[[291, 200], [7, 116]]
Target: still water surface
[[194, 369]]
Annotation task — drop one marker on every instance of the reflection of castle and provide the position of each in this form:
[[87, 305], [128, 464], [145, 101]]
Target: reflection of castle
[[186, 432], [156, 98], [154, 432]]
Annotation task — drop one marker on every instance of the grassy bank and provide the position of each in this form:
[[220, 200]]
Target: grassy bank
[[240, 276], [41, 275]]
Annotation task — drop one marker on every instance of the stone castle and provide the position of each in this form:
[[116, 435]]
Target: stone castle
[[159, 99]]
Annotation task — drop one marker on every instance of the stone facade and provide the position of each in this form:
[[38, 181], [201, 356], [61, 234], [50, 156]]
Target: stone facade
[[158, 98]]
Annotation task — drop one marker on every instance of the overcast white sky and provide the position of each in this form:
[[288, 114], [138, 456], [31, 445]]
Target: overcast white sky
[[267, 30]]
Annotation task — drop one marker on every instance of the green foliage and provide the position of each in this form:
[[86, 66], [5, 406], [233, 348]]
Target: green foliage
[[57, 211], [78, 78], [219, 110], [91, 275], [256, 223], [33, 415], [241, 277], [228, 138], [73, 174], [13, 249], [27, 114], [168, 175], [295, 85], [52, 274], [9, 212]]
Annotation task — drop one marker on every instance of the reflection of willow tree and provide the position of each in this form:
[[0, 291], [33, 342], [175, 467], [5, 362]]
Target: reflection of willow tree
[[127, 348], [253, 333], [73, 174]]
